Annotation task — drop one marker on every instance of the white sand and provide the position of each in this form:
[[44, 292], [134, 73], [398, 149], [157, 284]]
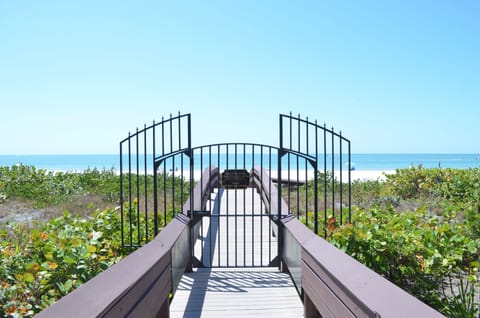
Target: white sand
[[361, 175]]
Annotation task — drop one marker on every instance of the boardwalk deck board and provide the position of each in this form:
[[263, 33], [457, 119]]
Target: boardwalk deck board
[[237, 291], [240, 226]]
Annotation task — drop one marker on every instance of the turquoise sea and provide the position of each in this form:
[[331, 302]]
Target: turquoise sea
[[362, 162]]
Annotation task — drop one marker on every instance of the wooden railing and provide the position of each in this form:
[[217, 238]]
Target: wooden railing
[[331, 283], [140, 285], [268, 191], [137, 286]]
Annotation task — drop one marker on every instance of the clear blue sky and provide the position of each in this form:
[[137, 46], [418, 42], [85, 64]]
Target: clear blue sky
[[393, 76]]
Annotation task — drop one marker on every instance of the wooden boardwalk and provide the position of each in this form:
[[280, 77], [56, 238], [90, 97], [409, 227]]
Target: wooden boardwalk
[[239, 233], [236, 292], [239, 287]]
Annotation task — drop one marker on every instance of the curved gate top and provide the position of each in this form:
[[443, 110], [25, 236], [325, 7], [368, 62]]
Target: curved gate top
[[162, 174]]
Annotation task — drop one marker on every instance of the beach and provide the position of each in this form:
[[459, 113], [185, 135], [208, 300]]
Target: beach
[[355, 175], [370, 175], [367, 166]]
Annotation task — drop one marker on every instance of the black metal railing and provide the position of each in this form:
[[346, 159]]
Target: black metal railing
[[159, 152], [159, 168], [313, 159], [237, 229]]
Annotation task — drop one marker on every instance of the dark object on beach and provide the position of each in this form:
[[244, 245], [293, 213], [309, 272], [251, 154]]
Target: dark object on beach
[[235, 179]]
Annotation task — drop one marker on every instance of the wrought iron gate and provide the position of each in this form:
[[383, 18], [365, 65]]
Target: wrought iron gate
[[156, 177], [237, 225], [317, 153], [238, 229]]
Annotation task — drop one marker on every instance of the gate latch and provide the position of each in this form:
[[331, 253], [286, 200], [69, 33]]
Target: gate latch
[[197, 215]]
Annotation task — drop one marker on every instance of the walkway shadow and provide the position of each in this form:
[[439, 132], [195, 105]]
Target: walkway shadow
[[199, 284], [210, 240]]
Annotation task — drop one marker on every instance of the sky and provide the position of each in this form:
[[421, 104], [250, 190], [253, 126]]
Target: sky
[[393, 76]]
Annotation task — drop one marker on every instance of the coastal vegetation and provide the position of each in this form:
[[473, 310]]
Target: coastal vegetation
[[420, 228], [57, 230]]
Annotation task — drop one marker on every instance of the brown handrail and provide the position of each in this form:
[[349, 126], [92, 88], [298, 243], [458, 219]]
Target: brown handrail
[[209, 180], [268, 191], [332, 283], [140, 284], [137, 286], [336, 285]]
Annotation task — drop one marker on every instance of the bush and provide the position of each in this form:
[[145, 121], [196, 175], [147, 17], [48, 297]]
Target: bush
[[41, 262], [40, 266], [46, 188], [421, 253], [455, 185]]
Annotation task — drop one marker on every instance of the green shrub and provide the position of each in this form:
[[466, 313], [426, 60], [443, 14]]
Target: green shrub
[[40, 266], [414, 250], [451, 184], [41, 262], [46, 188]]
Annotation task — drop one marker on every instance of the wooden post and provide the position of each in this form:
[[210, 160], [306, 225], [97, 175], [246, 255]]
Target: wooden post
[[309, 309], [164, 311]]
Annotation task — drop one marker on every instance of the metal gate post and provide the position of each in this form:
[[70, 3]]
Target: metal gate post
[[281, 266], [190, 154]]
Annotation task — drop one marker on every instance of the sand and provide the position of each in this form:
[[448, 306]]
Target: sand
[[370, 175], [360, 175]]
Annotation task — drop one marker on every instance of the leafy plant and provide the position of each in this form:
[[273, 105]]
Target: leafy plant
[[421, 230], [45, 188], [412, 249], [43, 261], [430, 248], [38, 267]]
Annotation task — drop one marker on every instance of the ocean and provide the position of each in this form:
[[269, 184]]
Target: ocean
[[361, 162]]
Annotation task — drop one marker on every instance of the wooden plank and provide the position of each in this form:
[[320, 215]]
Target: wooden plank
[[209, 180], [123, 286], [327, 303], [236, 292], [151, 300], [364, 292], [231, 236], [336, 287], [268, 191]]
